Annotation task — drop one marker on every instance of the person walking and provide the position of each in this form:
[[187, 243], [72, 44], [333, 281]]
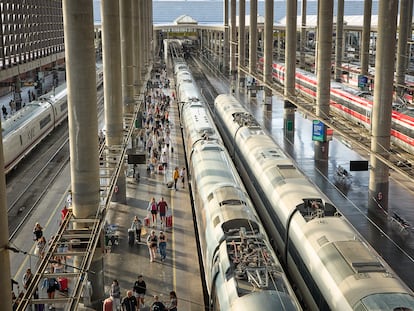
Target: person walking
[[152, 243], [153, 209], [129, 302], [63, 213], [27, 278], [69, 198], [51, 285], [4, 110], [137, 226], [40, 247], [116, 294], [164, 160], [37, 232], [157, 305], [140, 288], [173, 301], [162, 243], [162, 208], [176, 175], [182, 176]]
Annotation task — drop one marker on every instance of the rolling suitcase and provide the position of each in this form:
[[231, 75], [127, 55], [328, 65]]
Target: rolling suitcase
[[108, 304], [131, 237], [63, 284], [147, 221], [168, 221], [170, 184]]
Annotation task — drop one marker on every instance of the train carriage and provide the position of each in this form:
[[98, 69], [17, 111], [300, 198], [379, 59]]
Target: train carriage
[[330, 262], [352, 104], [241, 270], [24, 130]]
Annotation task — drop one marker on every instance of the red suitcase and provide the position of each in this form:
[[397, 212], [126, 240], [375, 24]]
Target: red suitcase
[[63, 284], [107, 305], [168, 221], [147, 221]]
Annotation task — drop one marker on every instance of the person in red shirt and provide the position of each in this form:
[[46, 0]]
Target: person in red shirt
[[162, 209], [64, 212]]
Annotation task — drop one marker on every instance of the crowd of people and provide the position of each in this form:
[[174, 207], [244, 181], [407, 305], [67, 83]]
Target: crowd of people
[[156, 140], [134, 298], [157, 137]]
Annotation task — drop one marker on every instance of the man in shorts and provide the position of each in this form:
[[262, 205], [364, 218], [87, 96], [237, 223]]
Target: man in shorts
[[140, 288]]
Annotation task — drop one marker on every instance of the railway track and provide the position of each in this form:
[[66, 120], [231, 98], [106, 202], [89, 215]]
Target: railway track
[[353, 135], [31, 180]]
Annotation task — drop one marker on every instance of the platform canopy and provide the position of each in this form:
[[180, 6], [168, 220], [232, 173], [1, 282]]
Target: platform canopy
[[185, 19]]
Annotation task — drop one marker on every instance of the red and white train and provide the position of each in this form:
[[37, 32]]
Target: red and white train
[[352, 104]]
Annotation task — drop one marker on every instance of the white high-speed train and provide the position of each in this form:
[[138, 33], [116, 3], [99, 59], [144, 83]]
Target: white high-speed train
[[330, 262], [24, 130], [240, 268]]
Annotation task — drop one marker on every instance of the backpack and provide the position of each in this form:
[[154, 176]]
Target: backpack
[[158, 307]]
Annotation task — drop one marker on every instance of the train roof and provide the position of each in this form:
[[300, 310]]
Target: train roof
[[23, 115]]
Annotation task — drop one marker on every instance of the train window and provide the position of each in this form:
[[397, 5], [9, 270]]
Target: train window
[[389, 301], [64, 106], [232, 202], [45, 121]]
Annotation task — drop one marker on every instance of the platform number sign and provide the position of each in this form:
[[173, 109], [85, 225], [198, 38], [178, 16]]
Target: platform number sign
[[318, 131]]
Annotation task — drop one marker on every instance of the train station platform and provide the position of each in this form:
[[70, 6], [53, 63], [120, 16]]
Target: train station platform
[[180, 270], [390, 236]]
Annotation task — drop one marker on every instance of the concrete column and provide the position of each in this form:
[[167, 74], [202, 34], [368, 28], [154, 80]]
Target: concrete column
[[279, 44], [209, 43], [339, 40], [5, 289], [216, 46], [83, 123], [226, 47], [366, 36], [149, 27], [303, 36], [410, 29], [290, 64], [125, 12], [325, 20], [112, 81], [381, 110], [220, 49], [268, 51], [142, 37], [403, 35], [253, 38], [233, 45], [242, 41], [137, 48]]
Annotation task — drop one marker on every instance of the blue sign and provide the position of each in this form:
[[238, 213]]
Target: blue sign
[[318, 131], [362, 81]]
